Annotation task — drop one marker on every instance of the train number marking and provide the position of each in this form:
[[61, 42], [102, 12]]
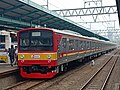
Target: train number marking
[[35, 56]]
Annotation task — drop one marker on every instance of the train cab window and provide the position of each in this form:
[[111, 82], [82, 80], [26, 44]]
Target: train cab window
[[39, 40], [24, 39], [24, 42]]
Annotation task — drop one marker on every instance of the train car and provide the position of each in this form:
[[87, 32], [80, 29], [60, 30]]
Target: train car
[[45, 52], [6, 40]]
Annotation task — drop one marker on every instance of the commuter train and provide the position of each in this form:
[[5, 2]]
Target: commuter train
[[45, 52], [6, 40]]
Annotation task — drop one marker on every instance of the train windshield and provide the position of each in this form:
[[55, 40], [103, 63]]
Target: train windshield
[[36, 40]]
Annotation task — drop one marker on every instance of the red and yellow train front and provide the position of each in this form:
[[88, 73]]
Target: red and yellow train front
[[37, 56]]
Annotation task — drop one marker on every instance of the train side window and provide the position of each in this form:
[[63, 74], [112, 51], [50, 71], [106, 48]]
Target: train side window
[[80, 45], [87, 45], [63, 45], [2, 38], [71, 45], [90, 45], [76, 45], [98, 45], [95, 45], [83, 45]]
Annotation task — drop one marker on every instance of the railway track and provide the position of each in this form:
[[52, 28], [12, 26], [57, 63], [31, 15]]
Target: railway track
[[91, 83], [114, 81], [46, 84], [42, 84], [9, 76], [7, 73], [25, 85]]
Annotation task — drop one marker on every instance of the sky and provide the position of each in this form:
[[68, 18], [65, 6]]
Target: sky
[[72, 4], [69, 4]]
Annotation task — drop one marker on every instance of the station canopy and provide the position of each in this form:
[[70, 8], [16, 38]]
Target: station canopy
[[18, 14]]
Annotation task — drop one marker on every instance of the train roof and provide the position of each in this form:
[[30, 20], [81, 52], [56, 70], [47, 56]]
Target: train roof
[[72, 33], [69, 32]]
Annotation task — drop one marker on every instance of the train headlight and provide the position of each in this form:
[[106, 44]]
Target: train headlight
[[49, 56], [21, 56]]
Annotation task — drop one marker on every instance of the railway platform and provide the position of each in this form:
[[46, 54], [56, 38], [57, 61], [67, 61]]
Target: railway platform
[[8, 75], [7, 68]]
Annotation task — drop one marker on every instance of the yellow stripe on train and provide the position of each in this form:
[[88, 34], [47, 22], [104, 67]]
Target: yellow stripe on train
[[37, 56]]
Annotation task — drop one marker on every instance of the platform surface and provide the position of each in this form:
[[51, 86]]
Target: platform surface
[[7, 67]]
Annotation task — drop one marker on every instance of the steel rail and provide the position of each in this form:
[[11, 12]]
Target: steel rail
[[15, 85], [22, 83], [84, 86], [7, 73], [43, 81], [36, 84], [108, 76], [58, 79]]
